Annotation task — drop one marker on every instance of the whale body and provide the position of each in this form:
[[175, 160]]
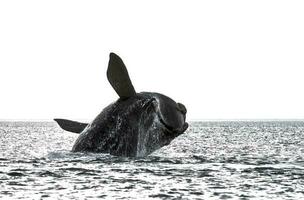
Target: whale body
[[135, 125]]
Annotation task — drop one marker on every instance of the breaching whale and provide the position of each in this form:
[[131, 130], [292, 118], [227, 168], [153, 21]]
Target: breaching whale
[[135, 125]]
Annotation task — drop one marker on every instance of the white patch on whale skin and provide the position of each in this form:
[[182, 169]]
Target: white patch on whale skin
[[144, 135]]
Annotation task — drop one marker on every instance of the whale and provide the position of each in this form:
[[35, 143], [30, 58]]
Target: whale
[[135, 125]]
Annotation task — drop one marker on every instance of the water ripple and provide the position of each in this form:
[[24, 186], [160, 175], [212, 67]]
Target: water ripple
[[212, 160]]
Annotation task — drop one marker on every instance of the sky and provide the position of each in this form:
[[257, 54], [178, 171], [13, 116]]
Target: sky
[[221, 59]]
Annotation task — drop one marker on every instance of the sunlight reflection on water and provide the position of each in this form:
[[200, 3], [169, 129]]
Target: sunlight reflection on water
[[214, 160]]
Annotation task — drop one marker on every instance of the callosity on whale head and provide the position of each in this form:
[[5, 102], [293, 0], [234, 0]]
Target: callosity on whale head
[[135, 125]]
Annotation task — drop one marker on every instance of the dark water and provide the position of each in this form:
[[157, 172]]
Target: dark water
[[212, 160]]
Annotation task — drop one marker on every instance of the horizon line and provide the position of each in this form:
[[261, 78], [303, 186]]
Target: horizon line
[[190, 120]]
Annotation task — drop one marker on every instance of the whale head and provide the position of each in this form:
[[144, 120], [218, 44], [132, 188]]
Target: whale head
[[161, 121]]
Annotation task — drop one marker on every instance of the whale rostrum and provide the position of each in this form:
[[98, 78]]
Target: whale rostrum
[[135, 125]]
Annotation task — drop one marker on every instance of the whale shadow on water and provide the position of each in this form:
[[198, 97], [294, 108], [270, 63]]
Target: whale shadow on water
[[135, 125]]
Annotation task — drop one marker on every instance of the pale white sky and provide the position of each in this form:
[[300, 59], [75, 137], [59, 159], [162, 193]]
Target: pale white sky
[[222, 59]]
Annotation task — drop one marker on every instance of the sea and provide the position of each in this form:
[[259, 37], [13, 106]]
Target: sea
[[211, 160]]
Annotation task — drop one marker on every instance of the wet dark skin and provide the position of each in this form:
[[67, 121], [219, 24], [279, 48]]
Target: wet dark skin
[[135, 125]]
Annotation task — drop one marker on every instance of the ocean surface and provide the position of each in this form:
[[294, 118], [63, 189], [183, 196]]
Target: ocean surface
[[212, 160]]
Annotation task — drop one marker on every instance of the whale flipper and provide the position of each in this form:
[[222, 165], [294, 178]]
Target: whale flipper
[[118, 77], [71, 126]]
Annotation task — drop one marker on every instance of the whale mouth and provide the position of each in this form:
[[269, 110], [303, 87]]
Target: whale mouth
[[175, 130], [173, 133]]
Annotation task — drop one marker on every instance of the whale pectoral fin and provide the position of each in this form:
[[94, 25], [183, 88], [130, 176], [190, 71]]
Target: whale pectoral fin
[[71, 126], [119, 78]]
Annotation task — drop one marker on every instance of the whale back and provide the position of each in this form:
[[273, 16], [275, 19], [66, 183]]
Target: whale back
[[115, 130]]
